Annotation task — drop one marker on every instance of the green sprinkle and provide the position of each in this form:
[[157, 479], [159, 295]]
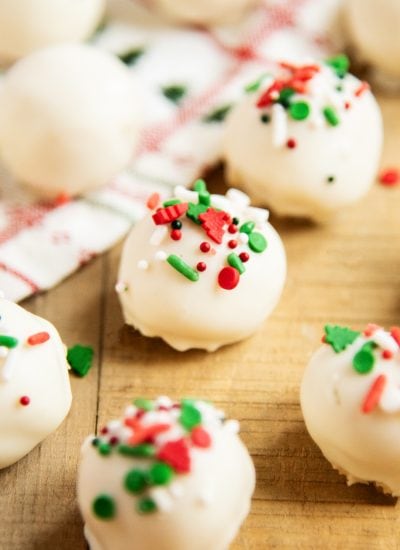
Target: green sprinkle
[[257, 242], [80, 358], [194, 210], [255, 85], [236, 262], [340, 64], [364, 360], [104, 507], [104, 448], [135, 481], [284, 97], [132, 56], [299, 110], [146, 505], [144, 404], [218, 115], [339, 88], [200, 186], [174, 93], [265, 119], [183, 268], [331, 116], [160, 473], [205, 198], [144, 450], [339, 337], [330, 179], [190, 415], [171, 202], [8, 341], [247, 227]]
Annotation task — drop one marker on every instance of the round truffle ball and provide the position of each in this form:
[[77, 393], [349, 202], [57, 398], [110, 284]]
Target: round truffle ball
[[201, 270], [190, 487], [373, 27], [69, 119], [35, 394], [204, 12], [350, 398], [306, 142], [28, 25]]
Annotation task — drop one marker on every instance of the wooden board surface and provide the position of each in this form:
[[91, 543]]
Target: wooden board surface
[[348, 272]]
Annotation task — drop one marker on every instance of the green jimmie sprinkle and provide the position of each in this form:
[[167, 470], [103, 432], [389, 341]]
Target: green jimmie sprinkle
[[180, 265]]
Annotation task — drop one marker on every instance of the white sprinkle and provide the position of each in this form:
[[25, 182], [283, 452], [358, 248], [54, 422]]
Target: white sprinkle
[[162, 498], [158, 235], [390, 399], [163, 401], [160, 256], [385, 340], [232, 426], [185, 195], [130, 410], [257, 215], [176, 489], [121, 287], [9, 365], [114, 426], [143, 265], [274, 94], [124, 433], [206, 496], [243, 238], [279, 125], [238, 197]]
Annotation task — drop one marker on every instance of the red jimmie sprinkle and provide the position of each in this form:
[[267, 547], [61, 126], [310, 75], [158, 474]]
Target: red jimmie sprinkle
[[200, 437], [395, 333], [374, 394], [389, 177], [38, 338], [176, 454], [364, 86], [170, 213], [24, 400], [228, 278], [153, 201]]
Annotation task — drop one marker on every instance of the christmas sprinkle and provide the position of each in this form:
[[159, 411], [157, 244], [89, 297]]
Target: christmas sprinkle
[[389, 177], [38, 338], [340, 337], [182, 267], [80, 359]]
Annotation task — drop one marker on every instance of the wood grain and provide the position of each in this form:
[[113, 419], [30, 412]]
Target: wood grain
[[347, 272]]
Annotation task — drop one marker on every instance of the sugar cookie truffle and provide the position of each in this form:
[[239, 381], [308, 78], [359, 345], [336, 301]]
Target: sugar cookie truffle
[[306, 142], [28, 25], [35, 394], [68, 119], [166, 475], [201, 270], [373, 27], [350, 398], [204, 12]]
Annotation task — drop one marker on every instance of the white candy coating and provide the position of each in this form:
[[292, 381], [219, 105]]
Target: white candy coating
[[365, 446], [27, 25], [199, 509], [206, 12], [296, 181], [160, 301], [68, 119], [374, 30], [38, 372]]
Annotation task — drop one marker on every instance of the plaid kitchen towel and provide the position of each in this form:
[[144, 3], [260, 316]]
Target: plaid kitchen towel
[[190, 77]]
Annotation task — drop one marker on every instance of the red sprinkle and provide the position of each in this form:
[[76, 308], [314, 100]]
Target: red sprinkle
[[371, 328], [176, 234], [104, 430], [347, 105], [169, 213], [25, 400], [61, 199], [228, 278], [214, 222], [374, 394], [38, 338], [232, 244], [205, 247], [291, 143], [114, 440], [389, 177], [153, 201], [176, 454], [395, 333], [200, 437], [244, 257], [387, 354], [201, 266], [364, 86], [323, 339], [232, 228]]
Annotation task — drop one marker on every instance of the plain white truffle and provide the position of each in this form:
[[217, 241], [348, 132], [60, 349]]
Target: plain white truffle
[[37, 374], [199, 498], [309, 167], [373, 27], [159, 300], [204, 12], [69, 119], [350, 399], [27, 25]]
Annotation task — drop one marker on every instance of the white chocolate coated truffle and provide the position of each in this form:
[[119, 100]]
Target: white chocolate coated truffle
[[28, 25], [185, 287], [204, 12], [192, 489], [35, 394], [373, 27], [350, 398], [68, 119], [307, 142]]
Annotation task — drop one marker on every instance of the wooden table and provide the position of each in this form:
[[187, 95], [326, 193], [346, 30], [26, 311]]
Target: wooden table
[[346, 273]]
